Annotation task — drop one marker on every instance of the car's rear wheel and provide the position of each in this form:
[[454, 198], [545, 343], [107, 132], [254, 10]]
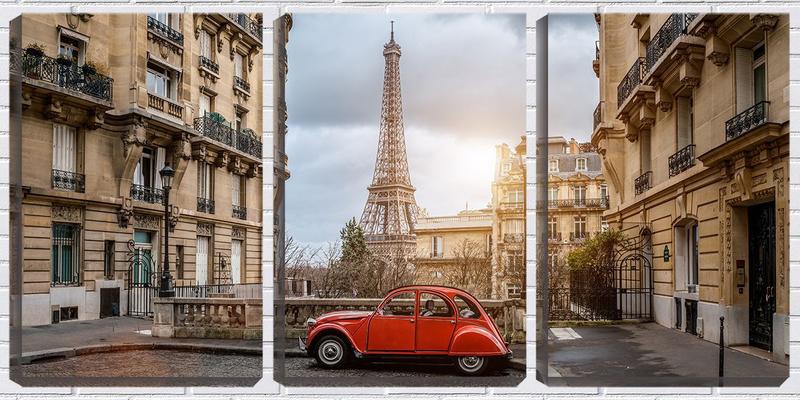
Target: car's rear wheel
[[332, 352], [472, 365]]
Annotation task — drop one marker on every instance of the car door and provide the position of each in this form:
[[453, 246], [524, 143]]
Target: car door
[[392, 326], [435, 324]]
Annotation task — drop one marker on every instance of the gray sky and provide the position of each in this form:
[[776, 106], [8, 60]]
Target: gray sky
[[463, 87], [572, 85]]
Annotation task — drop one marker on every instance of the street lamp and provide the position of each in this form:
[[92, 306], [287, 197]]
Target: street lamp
[[165, 288]]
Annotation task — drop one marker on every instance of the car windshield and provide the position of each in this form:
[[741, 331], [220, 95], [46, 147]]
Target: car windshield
[[466, 309]]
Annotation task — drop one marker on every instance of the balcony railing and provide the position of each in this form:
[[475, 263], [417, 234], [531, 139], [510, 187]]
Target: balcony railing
[[643, 182], [63, 73], [208, 64], [597, 116], [747, 120], [573, 236], [673, 28], [513, 237], [164, 30], [205, 205], [681, 161], [164, 105], [599, 202], [631, 80], [66, 180], [554, 236], [239, 212], [241, 84], [248, 24], [223, 133], [147, 194]]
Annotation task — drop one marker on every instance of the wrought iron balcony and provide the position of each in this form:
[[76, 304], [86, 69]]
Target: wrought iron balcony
[[599, 202], [164, 105], [62, 73], [223, 133], [205, 205], [673, 28], [513, 237], [247, 24], [239, 212], [147, 194], [747, 120], [577, 236], [631, 80], [681, 161], [66, 180], [241, 84], [643, 182], [554, 237], [597, 116], [208, 64], [164, 30]]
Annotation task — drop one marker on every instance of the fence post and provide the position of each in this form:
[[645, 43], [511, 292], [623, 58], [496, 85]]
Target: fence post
[[721, 349]]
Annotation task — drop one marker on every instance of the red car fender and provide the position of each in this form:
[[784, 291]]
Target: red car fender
[[476, 340], [327, 327]]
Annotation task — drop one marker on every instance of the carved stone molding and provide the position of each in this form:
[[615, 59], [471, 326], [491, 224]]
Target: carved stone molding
[[764, 21], [199, 152], [135, 136], [174, 216], [147, 221], [252, 172], [238, 233], [222, 159], [125, 212], [182, 148], [204, 229], [63, 213]]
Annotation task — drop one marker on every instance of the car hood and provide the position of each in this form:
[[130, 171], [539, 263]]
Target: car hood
[[342, 315]]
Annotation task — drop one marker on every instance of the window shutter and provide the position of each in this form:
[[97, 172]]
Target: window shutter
[[744, 79]]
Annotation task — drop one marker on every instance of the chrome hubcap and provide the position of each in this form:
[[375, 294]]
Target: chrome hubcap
[[330, 352], [471, 363]]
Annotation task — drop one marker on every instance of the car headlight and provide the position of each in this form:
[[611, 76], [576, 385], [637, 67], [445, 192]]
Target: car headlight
[[310, 322]]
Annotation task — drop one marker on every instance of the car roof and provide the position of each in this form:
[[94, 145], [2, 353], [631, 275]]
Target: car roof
[[446, 289]]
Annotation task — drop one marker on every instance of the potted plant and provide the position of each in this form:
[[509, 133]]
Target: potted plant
[[63, 60], [35, 49], [216, 117], [89, 68]]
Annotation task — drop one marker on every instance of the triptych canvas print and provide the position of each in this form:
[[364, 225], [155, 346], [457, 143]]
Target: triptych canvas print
[[416, 231]]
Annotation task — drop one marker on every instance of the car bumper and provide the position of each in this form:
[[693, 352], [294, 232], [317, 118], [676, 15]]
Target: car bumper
[[301, 343]]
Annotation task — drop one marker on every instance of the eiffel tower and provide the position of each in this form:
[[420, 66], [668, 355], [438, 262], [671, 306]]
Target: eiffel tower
[[391, 210]]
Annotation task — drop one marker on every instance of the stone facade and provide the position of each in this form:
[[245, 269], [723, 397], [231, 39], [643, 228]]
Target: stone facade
[[110, 99], [577, 196], [693, 129]]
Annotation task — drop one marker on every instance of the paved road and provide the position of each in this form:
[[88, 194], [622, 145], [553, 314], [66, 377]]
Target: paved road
[[650, 355]]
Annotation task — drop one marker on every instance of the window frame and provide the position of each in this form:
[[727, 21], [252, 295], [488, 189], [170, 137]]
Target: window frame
[[578, 164], [57, 246], [550, 165], [382, 309], [444, 299]]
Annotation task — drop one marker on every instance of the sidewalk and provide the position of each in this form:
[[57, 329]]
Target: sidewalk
[[76, 337]]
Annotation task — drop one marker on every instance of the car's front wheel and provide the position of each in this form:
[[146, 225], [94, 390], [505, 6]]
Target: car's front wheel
[[332, 352], [472, 365]]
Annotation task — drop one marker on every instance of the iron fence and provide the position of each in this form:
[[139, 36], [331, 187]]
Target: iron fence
[[673, 28], [681, 161], [164, 30], [64, 73], [747, 120], [643, 182], [147, 194], [235, 290], [66, 180]]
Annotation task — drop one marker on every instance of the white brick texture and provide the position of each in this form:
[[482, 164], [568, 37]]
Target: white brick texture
[[267, 388]]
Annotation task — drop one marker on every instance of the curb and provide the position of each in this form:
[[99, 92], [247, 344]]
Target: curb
[[517, 364], [66, 352]]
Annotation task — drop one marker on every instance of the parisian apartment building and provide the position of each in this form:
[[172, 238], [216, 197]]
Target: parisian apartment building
[[693, 130], [577, 196], [492, 237], [108, 101]]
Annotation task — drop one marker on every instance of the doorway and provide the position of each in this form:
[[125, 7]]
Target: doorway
[[761, 238]]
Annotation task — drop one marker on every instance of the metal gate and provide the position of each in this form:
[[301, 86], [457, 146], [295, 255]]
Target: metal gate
[[633, 278], [142, 281]]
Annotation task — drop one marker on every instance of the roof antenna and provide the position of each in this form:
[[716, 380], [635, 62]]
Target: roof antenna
[[393, 31]]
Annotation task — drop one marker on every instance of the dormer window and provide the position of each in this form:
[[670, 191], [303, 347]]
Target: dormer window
[[580, 164], [553, 166]]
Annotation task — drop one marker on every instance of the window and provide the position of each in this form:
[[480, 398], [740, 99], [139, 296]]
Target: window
[[161, 82], [237, 189], [687, 257], [206, 41], [236, 261], [164, 18], [514, 292], [149, 166], [466, 309], [580, 227], [644, 152], [437, 246], [65, 257], [553, 193], [239, 121], [685, 121], [238, 62], [108, 259], [580, 164], [64, 148], [201, 264], [579, 194], [205, 181], [206, 104], [71, 48], [603, 190], [751, 79], [506, 167], [553, 166], [759, 73], [516, 196], [402, 304], [692, 261], [431, 305], [604, 226], [514, 226], [179, 267], [552, 227]]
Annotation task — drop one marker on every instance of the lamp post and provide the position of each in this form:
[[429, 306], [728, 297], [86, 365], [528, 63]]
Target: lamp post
[[165, 288]]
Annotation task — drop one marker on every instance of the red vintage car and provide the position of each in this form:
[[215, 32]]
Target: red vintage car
[[415, 321]]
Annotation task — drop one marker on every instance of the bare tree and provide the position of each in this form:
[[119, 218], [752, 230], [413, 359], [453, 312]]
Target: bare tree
[[472, 270]]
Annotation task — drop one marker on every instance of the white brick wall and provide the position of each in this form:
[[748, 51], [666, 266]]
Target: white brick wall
[[530, 388]]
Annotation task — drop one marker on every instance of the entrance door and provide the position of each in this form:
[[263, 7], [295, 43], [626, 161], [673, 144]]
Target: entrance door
[[436, 323], [761, 238], [201, 270], [142, 274], [236, 260], [392, 328]]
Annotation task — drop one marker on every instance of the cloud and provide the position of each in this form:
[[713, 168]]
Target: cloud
[[572, 85]]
